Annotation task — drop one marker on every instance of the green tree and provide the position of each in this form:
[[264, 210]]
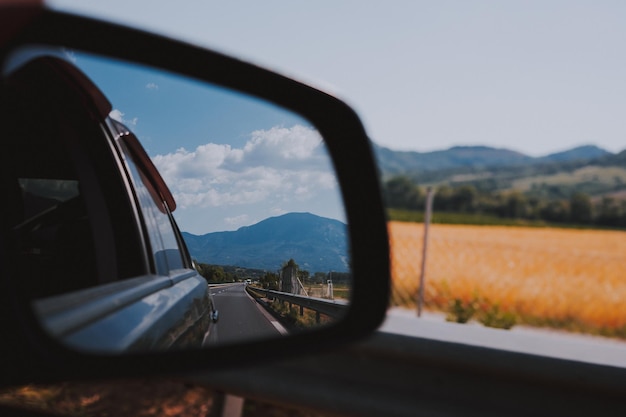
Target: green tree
[[443, 198], [580, 208], [401, 193], [269, 281], [213, 273], [319, 277], [515, 205], [534, 207], [465, 199], [609, 212], [303, 275], [555, 211]]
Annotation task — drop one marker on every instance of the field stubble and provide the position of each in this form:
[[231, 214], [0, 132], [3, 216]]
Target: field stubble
[[572, 279]]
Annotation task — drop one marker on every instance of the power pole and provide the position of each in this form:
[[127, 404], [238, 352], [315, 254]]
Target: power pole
[[427, 215]]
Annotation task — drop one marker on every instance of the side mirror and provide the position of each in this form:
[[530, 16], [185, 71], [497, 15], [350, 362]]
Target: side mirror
[[99, 175]]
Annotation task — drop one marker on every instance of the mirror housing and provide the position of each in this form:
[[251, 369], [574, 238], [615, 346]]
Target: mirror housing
[[30, 355]]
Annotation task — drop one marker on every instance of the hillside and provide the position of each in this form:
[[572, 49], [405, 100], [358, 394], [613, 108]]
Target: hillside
[[586, 152], [474, 158], [587, 169], [396, 162], [317, 244]]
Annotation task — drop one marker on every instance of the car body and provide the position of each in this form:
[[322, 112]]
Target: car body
[[92, 236]]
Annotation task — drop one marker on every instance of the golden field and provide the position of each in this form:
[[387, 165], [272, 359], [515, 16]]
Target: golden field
[[569, 278]]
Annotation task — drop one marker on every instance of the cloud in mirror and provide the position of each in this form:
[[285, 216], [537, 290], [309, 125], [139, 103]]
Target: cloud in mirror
[[258, 216], [278, 170]]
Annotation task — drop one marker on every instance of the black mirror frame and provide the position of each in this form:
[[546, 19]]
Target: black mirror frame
[[34, 356]]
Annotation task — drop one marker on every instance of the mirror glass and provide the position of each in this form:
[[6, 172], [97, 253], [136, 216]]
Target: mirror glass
[[103, 251]]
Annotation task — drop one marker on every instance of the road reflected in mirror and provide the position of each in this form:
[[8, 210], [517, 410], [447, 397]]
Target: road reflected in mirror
[[168, 213]]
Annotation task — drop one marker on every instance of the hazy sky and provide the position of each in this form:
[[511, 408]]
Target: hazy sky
[[534, 76]]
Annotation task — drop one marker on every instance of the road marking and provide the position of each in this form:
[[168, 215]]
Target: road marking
[[279, 327]]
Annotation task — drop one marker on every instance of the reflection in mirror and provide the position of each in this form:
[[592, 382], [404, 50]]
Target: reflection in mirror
[[253, 244]]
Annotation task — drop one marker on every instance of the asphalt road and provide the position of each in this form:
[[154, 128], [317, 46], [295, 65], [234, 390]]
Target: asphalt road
[[240, 317]]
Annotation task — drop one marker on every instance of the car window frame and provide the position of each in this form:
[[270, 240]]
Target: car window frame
[[130, 152]]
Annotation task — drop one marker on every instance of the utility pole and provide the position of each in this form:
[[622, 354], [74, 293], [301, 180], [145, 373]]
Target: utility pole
[[427, 215]]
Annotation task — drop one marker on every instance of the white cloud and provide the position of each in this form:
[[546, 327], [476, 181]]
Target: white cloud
[[152, 86], [296, 143], [237, 220], [277, 211], [276, 165], [117, 114]]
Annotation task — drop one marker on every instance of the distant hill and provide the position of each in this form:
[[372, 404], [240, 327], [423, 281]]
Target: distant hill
[[317, 244], [473, 157], [396, 162], [586, 152], [588, 169], [618, 159]]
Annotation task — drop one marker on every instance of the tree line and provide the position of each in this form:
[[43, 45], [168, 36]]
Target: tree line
[[270, 280], [216, 274], [578, 207]]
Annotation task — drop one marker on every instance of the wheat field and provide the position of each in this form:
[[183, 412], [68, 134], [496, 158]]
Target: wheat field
[[544, 275]]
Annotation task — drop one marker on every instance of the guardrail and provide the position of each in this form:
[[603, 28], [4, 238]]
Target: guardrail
[[332, 308]]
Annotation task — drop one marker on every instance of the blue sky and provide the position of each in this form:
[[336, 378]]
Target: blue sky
[[230, 160], [533, 76], [168, 112]]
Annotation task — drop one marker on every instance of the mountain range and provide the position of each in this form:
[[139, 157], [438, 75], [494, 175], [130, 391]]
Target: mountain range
[[315, 243], [587, 169], [398, 162]]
